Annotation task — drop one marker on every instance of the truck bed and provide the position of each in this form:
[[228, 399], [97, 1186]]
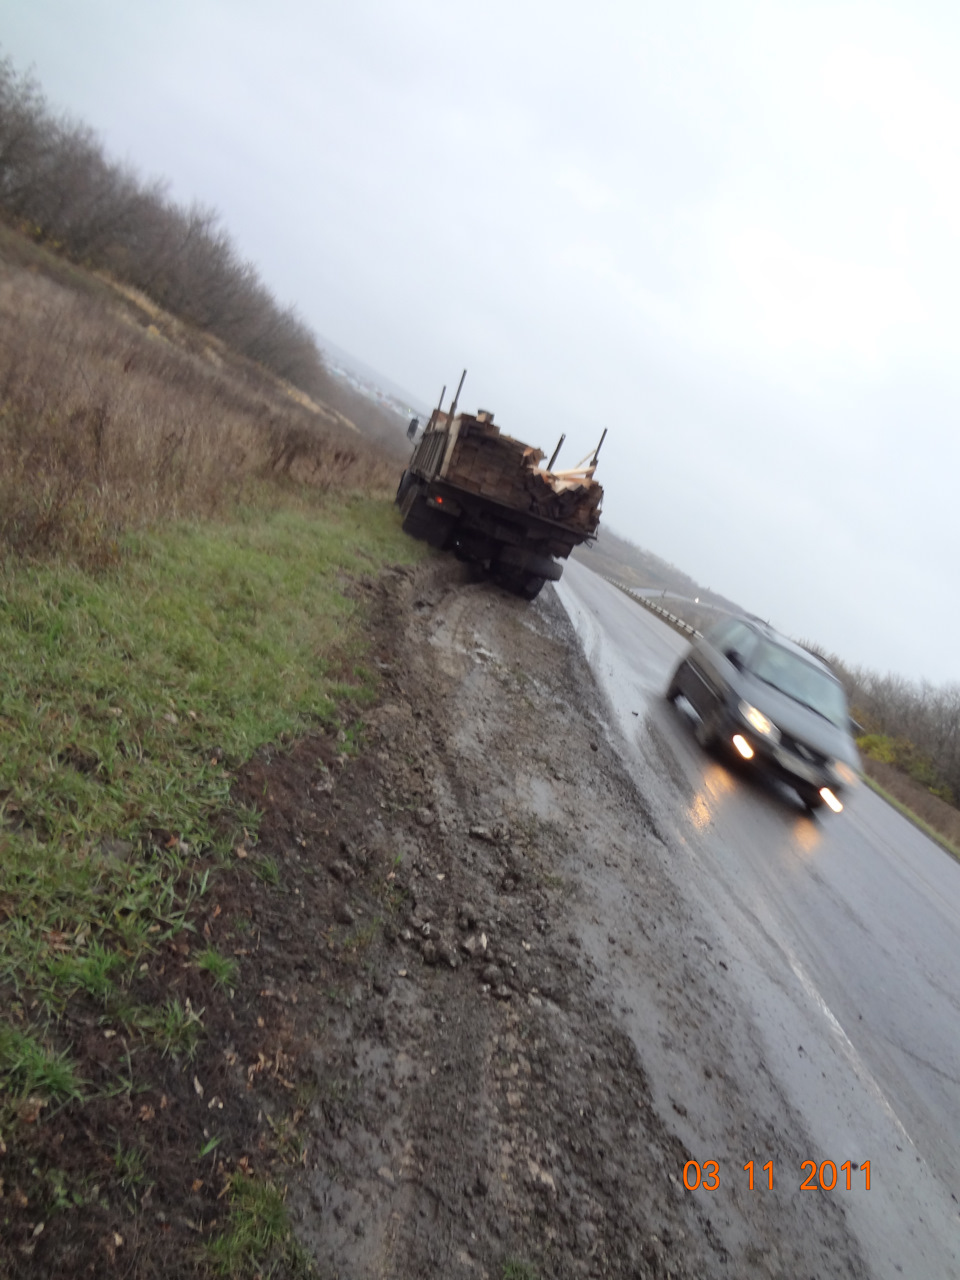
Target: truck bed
[[473, 455]]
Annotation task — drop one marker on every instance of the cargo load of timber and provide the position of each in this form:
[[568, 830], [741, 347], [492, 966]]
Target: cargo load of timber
[[481, 459], [484, 495]]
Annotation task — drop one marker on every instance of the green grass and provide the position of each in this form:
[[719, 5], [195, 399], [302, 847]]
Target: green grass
[[130, 1166], [128, 699], [175, 1027], [258, 1237], [28, 1067], [222, 969], [266, 869], [518, 1271], [93, 970]]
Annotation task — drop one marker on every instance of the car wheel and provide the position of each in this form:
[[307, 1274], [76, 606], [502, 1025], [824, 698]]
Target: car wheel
[[673, 688], [708, 731], [812, 800]]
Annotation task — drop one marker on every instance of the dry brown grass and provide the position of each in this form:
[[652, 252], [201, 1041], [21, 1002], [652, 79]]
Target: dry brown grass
[[108, 423]]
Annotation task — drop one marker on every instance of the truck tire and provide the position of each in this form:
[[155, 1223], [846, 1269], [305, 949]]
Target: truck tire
[[423, 521], [517, 582], [407, 481]]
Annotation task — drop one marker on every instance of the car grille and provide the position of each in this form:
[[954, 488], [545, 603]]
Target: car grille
[[801, 750]]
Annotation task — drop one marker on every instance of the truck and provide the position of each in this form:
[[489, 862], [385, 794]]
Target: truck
[[483, 495]]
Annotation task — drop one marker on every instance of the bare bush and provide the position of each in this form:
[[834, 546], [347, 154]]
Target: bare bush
[[911, 728], [106, 425]]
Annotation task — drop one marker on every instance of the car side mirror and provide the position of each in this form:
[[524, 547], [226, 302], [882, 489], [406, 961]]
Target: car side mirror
[[736, 658]]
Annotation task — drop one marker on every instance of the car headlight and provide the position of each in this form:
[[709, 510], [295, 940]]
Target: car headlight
[[759, 722], [842, 772]]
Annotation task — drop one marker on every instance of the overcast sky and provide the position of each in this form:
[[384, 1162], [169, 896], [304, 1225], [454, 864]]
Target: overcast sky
[[727, 231]]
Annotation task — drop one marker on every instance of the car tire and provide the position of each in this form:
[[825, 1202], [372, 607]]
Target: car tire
[[708, 731], [673, 688], [812, 800]]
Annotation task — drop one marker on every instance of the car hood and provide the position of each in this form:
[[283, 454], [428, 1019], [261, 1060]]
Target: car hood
[[797, 721]]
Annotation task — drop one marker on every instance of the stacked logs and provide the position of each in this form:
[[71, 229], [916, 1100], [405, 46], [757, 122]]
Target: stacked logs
[[505, 470]]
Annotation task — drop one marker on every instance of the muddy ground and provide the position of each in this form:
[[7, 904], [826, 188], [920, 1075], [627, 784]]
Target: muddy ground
[[482, 1104], [435, 1045]]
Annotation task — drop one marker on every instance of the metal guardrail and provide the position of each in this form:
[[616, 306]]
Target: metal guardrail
[[677, 623]]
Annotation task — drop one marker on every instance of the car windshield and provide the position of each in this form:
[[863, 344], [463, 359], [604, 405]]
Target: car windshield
[[801, 681]]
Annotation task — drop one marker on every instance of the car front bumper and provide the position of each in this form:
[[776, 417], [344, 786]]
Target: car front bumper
[[779, 760]]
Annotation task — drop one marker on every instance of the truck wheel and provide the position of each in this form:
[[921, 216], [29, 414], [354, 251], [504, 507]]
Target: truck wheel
[[407, 482], [422, 521], [517, 582]]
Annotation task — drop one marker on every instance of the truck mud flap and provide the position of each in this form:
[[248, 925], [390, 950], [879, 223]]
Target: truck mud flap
[[423, 521], [407, 482]]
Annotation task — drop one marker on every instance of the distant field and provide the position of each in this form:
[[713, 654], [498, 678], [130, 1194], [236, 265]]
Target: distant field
[[615, 557]]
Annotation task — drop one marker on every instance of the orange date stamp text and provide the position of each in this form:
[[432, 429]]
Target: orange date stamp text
[[826, 1176]]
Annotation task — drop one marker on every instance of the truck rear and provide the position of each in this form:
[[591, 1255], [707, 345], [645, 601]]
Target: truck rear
[[483, 495]]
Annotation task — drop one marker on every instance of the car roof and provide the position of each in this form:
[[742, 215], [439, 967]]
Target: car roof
[[764, 629]]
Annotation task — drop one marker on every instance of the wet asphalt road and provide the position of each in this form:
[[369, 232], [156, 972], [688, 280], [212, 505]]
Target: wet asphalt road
[[846, 931]]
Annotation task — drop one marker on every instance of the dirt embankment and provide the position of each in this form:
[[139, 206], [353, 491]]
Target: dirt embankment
[[477, 1107]]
